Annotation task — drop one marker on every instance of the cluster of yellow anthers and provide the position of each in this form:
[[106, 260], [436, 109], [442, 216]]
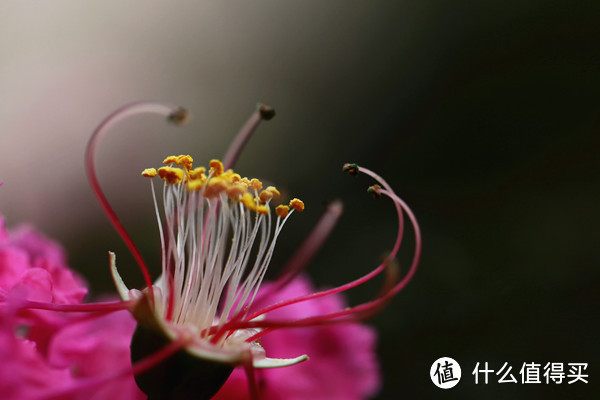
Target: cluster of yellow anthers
[[249, 192]]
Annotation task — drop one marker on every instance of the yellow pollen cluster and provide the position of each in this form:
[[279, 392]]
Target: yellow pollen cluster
[[297, 204], [170, 174], [219, 181], [149, 173]]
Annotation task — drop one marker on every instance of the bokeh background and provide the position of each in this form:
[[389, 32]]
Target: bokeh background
[[483, 115]]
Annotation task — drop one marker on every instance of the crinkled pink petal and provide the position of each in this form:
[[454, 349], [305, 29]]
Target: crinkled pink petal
[[342, 362], [33, 267], [98, 347], [25, 249], [13, 263], [48, 255], [24, 373]]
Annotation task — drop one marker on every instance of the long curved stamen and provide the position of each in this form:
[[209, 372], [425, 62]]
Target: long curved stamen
[[364, 310], [174, 114], [262, 112], [354, 313], [358, 281]]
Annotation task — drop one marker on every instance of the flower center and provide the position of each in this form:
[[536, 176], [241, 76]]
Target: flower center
[[217, 240]]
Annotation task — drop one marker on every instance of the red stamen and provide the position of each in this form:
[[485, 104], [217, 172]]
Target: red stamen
[[352, 284], [252, 384], [354, 313], [122, 113], [91, 307], [260, 334], [235, 149]]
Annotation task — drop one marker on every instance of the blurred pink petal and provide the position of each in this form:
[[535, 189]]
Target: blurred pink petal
[[24, 373], [24, 251], [96, 347], [44, 351], [342, 363]]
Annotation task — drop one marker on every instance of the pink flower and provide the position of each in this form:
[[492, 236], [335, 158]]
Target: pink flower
[[207, 312], [31, 268], [43, 351]]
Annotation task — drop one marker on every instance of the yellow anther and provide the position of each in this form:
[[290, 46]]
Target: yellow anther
[[297, 204], [170, 175], [235, 190], [245, 181], [262, 210], [184, 161], [243, 184], [235, 178], [265, 196], [230, 176], [274, 192], [195, 184], [197, 173], [255, 184], [216, 167], [214, 187], [282, 211], [248, 201], [149, 173], [170, 160]]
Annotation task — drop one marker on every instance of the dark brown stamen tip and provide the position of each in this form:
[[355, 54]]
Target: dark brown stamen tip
[[179, 117], [267, 113], [374, 191], [350, 168]]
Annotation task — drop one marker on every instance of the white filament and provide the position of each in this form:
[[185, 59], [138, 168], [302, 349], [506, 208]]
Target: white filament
[[215, 254]]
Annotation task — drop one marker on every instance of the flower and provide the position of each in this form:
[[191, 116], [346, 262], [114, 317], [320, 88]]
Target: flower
[[207, 313], [43, 351], [210, 276], [33, 268]]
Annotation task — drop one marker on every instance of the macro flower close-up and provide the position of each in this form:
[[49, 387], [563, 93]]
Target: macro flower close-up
[[299, 200], [206, 314]]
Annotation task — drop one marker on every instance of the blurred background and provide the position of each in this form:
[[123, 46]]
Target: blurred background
[[484, 116]]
